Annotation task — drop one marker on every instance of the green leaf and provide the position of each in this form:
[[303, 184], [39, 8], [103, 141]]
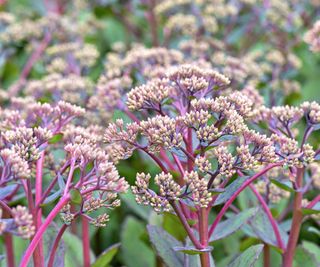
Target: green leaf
[[230, 190], [173, 226], [164, 244], [73, 252], [312, 248], [232, 224], [315, 210], [190, 250], [76, 197], [51, 198], [261, 228], [303, 257], [142, 211], [283, 185], [135, 252], [56, 138], [106, 257], [248, 257]]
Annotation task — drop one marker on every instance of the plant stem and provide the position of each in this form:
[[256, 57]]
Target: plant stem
[[313, 202], [38, 196], [15, 89], [266, 256], [296, 222], [55, 245], [203, 233], [270, 217], [240, 189], [85, 242], [189, 149], [70, 176], [8, 241], [27, 255], [9, 249], [186, 226], [153, 22]]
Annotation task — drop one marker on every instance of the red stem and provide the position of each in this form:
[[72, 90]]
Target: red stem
[[15, 89], [270, 217], [266, 256], [189, 149], [32, 246], [9, 249], [240, 189], [186, 226], [313, 202], [55, 245], [204, 239], [296, 222], [8, 240], [85, 242], [38, 196]]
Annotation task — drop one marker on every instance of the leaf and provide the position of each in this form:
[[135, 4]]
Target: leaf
[[55, 139], [142, 211], [232, 224], [76, 197], [261, 228], [248, 257], [230, 190], [134, 250], [285, 186], [106, 257], [51, 198], [312, 248], [61, 182], [164, 244], [315, 210], [303, 257], [73, 252], [7, 190], [173, 226], [190, 250]]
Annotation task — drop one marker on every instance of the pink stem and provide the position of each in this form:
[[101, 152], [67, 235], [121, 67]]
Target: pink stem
[[32, 246], [38, 196], [313, 202], [55, 245], [14, 90], [270, 217], [167, 160], [203, 233], [8, 240], [85, 242], [9, 249], [186, 225], [234, 196], [69, 179], [178, 162]]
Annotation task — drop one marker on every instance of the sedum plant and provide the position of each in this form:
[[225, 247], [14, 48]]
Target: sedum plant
[[210, 144], [185, 111]]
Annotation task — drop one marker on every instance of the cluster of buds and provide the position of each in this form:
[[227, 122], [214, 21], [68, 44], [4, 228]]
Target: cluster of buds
[[312, 37], [23, 221]]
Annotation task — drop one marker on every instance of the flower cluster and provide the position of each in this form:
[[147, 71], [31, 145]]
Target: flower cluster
[[23, 221], [312, 37]]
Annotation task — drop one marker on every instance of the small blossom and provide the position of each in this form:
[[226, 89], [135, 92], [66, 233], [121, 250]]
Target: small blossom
[[198, 187], [23, 220], [312, 37], [203, 164]]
